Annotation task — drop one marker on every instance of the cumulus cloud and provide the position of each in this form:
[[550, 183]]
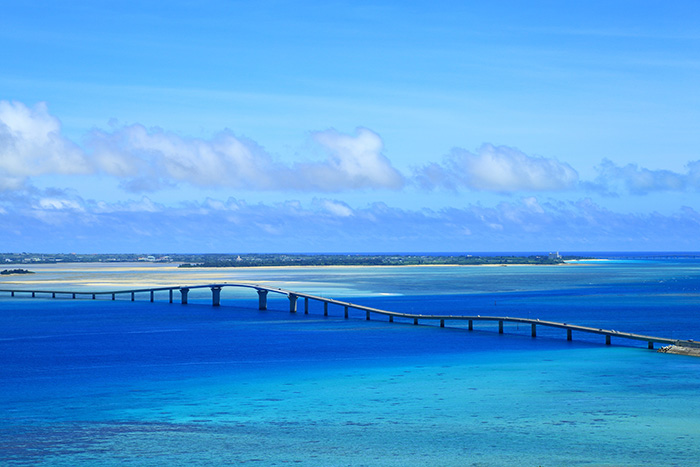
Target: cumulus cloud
[[149, 159], [498, 169], [640, 181], [355, 161], [31, 144], [336, 208], [65, 222]]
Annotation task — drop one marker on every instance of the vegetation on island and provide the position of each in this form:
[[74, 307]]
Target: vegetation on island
[[7, 272], [252, 260], [370, 260]]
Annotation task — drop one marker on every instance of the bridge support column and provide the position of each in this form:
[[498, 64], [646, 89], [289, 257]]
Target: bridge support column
[[183, 292], [93, 296], [73, 295], [12, 294], [568, 334], [650, 346], [368, 316], [215, 296], [415, 320], [53, 295], [306, 305], [114, 296], [170, 295], [133, 296], [607, 339], [262, 299], [325, 308], [391, 318], [152, 296], [346, 312], [534, 330], [442, 323], [293, 303], [500, 326], [33, 294], [471, 325]]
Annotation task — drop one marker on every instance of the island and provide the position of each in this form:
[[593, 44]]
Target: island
[[260, 260], [8, 272]]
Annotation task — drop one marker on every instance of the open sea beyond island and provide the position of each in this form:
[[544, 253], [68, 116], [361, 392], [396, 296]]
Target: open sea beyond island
[[102, 382]]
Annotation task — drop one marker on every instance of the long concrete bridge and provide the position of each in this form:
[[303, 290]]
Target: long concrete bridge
[[369, 311]]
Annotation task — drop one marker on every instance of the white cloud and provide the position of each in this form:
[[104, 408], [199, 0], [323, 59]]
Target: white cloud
[[59, 204], [498, 169], [356, 161], [640, 181], [69, 223], [149, 159], [31, 144], [336, 208]]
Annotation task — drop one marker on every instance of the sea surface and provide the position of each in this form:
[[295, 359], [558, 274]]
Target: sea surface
[[102, 382]]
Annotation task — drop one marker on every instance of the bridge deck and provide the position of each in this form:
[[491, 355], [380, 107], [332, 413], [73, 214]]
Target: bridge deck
[[293, 296]]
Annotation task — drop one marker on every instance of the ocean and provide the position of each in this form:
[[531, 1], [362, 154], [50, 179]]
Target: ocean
[[102, 382]]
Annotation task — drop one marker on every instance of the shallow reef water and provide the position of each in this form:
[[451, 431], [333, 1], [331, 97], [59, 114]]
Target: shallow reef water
[[86, 382]]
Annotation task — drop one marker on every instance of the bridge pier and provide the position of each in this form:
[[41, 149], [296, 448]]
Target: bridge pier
[[114, 296], [471, 325], [415, 320], [306, 305], [152, 296], [53, 295], [262, 299], [33, 294], [368, 316], [183, 292], [73, 295], [568, 334], [215, 296], [346, 312], [171, 295], [391, 318], [94, 296], [133, 296], [293, 303], [650, 345], [325, 308], [500, 326], [607, 339], [442, 323], [534, 330]]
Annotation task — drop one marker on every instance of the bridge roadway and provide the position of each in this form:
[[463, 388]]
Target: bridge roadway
[[294, 297]]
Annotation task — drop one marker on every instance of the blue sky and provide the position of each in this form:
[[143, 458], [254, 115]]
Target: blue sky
[[278, 126]]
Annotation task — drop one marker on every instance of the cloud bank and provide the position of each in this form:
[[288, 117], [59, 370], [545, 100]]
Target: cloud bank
[[145, 160], [641, 181], [149, 159], [54, 221], [31, 144], [498, 169]]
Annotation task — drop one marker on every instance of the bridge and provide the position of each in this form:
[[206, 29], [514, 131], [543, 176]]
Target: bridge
[[294, 297]]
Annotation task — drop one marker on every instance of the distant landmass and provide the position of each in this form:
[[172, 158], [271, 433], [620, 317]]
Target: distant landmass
[[251, 260], [373, 260], [7, 272]]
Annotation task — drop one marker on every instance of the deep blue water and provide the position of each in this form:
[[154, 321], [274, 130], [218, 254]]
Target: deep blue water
[[86, 382]]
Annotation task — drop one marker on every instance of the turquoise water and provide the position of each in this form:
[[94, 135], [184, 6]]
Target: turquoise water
[[86, 382]]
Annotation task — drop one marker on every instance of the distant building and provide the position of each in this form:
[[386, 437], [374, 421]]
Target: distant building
[[554, 255]]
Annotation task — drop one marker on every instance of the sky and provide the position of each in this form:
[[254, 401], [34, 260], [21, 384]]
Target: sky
[[349, 126]]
